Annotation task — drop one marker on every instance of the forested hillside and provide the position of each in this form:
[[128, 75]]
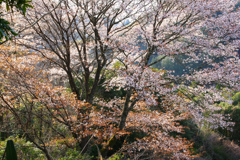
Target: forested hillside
[[119, 79]]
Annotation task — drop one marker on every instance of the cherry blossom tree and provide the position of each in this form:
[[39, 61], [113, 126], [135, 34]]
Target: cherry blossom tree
[[39, 110], [82, 40]]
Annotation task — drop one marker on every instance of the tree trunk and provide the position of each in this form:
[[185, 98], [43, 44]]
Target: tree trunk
[[73, 84], [125, 111]]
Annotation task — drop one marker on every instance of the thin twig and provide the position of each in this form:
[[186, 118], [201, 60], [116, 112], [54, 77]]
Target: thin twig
[[86, 144]]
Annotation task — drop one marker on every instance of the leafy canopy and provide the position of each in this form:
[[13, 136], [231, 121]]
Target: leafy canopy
[[21, 6]]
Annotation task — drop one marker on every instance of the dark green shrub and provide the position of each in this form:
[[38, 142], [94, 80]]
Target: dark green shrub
[[10, 151], [25, 149], [236, 98]]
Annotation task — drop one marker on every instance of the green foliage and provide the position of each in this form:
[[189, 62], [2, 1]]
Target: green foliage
[[234, 112], [118, 65], [208, 143], [168, 64], [5, 29], [225, 105], [236, 98], [25, 149], [73, 154], [115, 92], [219, 86], [21, 5], [116, 157], [216, 147]]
